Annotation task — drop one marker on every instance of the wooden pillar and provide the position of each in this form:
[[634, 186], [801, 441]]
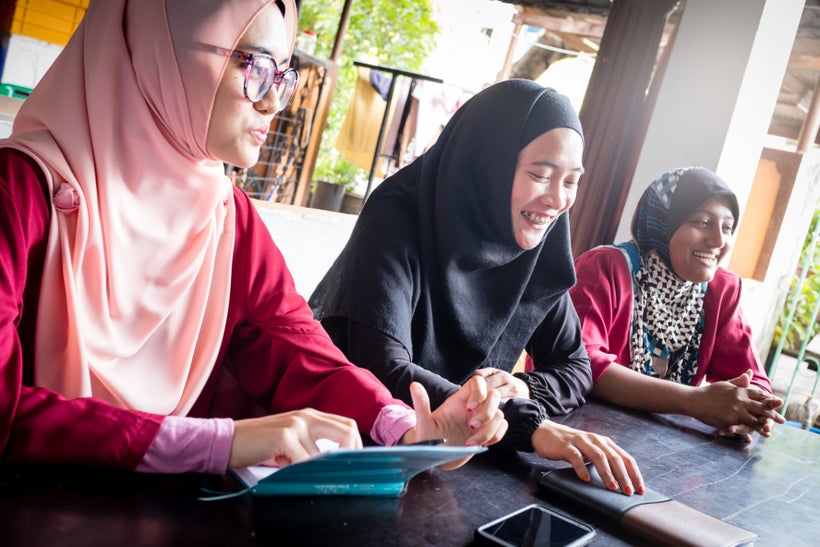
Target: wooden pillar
[[613, 116]]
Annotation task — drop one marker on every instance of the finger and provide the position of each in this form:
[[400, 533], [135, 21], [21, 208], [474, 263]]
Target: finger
[[744, 380], [578, 462], [486, 409], [762, 412], [633, 473], [773, 402], [490, 430], [615, 466], [322, 425], [478, 393], [736, 432], [421, 401], [293, 447]]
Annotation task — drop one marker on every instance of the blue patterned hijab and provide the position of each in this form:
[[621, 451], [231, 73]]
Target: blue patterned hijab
[[667, 311]]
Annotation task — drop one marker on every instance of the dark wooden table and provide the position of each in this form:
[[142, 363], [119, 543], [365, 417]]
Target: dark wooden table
[[770, 487]]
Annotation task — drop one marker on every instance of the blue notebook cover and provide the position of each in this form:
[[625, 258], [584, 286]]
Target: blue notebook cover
[[370, 471]]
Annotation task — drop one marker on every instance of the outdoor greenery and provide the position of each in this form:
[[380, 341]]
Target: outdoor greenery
[[804, 324], [381, 32]]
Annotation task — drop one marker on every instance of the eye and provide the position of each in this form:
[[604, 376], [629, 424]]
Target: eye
[[540, 177]]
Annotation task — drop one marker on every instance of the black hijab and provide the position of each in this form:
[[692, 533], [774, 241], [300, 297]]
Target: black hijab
[[433, 261]]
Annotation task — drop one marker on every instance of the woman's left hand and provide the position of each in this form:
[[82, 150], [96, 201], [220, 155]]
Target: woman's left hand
[[469, 417], [508, 385]]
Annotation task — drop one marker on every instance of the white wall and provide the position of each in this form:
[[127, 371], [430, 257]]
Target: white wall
[[718, 93], [714, 107], [310, 239], [27, 59]]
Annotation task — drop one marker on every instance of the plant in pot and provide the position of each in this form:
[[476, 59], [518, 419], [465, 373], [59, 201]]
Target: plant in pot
[[335, 180]]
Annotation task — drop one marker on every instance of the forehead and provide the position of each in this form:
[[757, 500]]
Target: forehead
[[267, 34], [560, 142], [719, 206]]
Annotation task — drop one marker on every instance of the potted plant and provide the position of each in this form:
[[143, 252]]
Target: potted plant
[[335, 180]]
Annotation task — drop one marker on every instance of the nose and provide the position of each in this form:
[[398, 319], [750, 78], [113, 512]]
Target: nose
[[269, 104], [717, 237], [553, 195]]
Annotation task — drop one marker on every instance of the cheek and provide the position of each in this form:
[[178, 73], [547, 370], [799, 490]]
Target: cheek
[[570, 196]]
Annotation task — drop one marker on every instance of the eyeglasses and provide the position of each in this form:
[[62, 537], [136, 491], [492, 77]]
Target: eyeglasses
[[262, 73]]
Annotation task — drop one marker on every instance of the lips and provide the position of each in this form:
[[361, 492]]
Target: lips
[[709, 258], [260, 135], [536, 218]]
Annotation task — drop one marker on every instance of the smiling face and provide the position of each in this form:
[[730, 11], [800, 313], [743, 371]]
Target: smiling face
[[238, 127], [545, 183], [701, 242]]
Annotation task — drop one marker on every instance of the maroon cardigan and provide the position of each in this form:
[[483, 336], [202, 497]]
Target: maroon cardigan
[[274, 356], [603, 299]]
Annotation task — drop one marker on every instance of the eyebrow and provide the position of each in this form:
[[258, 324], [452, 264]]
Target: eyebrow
[[263, 51], [548, 163], [711, 214]]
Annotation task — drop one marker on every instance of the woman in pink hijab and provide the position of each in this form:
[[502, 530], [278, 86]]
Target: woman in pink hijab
[[147, 320]]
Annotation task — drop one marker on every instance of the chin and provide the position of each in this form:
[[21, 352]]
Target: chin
[[245, 161]]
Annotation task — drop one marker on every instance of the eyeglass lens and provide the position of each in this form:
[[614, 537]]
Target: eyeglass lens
[[262, 74]]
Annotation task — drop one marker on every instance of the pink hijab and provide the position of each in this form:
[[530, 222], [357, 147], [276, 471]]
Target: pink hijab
[[137, 276]]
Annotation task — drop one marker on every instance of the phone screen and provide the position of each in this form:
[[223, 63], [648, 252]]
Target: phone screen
[[536, 526]]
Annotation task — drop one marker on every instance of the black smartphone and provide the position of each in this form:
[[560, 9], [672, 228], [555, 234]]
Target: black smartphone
[[535, 526]]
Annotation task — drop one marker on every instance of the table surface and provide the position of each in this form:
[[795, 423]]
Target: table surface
[[770, 487]]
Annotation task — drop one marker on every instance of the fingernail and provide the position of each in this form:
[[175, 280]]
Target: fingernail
[[473, 426], [628, 490], [641, 489], [613, 485], [585, 477]]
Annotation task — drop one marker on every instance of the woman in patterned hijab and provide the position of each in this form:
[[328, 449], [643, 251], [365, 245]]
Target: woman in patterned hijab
[[661, 306]]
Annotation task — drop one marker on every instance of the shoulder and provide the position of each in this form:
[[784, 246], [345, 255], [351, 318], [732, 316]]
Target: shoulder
[[602, 261], [724, 289], [24, 185], [725, 282], [16, 165]]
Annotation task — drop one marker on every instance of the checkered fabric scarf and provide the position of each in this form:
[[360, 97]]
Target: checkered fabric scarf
[[667, 322], [667, 311]]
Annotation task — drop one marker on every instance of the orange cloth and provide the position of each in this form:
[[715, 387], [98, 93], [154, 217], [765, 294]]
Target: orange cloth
[[360, 130]]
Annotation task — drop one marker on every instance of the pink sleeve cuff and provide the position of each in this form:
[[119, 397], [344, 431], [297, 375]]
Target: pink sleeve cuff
[[190, 445], [392, 423]]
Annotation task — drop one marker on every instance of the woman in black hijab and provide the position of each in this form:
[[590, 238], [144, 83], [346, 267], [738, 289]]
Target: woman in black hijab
[[461, 261]]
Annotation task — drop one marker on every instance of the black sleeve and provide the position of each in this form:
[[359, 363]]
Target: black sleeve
[[387, 359], [523, 416], [562, 376]]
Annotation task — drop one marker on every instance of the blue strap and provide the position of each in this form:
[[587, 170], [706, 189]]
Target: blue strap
[[630, 252]]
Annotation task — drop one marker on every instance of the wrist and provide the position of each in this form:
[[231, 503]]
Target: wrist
[[409, 436], [691, 402]]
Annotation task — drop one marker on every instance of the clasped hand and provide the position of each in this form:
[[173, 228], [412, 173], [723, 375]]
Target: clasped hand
[[737, 408]]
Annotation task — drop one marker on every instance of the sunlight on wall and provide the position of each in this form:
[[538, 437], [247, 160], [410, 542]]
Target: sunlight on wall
[[757, 217]]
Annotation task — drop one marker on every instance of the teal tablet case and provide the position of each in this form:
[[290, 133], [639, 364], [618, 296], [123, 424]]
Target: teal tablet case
[[369, 471]]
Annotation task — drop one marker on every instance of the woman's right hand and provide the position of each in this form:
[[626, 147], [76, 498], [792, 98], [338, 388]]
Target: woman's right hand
[[290, 437], [507, 385], [617, 469]]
